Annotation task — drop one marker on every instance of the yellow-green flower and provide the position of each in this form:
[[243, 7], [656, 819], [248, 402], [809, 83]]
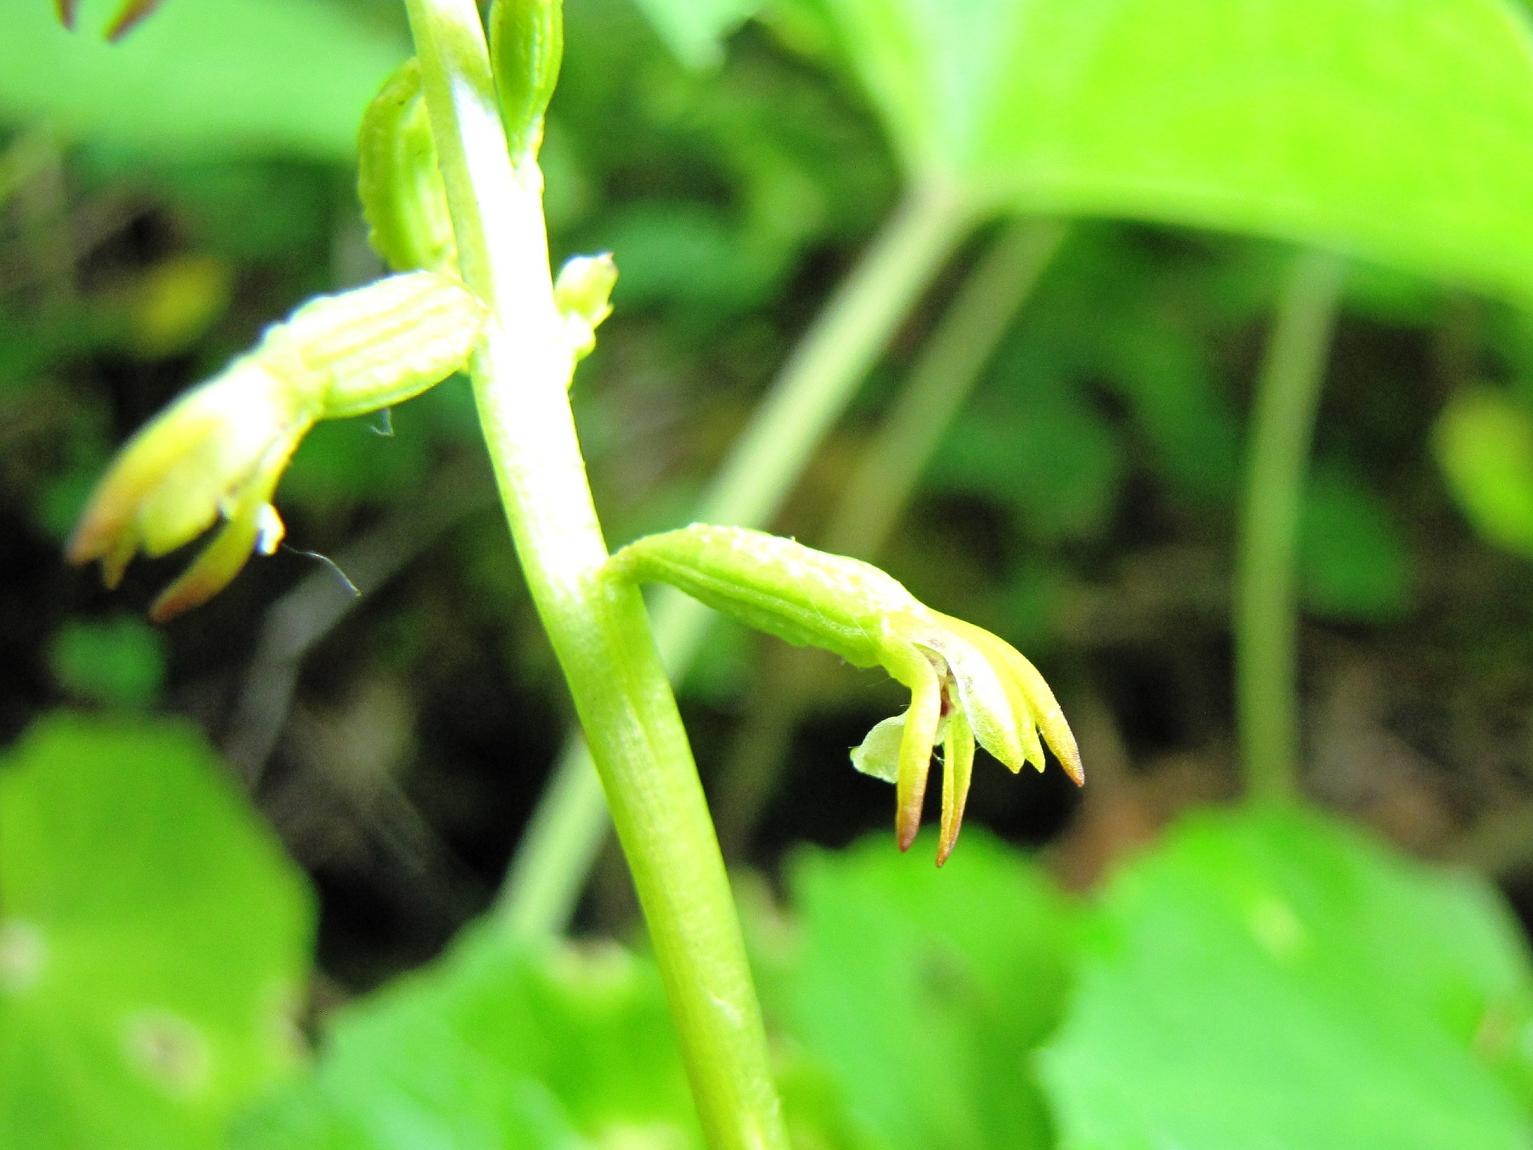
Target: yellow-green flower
[[966, 684], [219, 451]]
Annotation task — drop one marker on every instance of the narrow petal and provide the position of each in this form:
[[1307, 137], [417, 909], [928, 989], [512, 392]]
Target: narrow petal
[[235, 429], [213, 570], [253, 525], [990, 702], [957, 769], [998, 707], [113, 508], [168, 483], [1051, 717], [115, 561], [913, 669]]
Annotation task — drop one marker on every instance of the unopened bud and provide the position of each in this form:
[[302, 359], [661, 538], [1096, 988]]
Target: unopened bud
[[583, 294], [526, 49], [398, 181]]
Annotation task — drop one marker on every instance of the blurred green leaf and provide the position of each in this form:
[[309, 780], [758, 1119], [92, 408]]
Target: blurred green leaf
[[258, 213], [119, 662], [923, 993], [210, 77], [1354, 563], [1484, 444], [153, 941], [695, 29], [1164, 376], [375, 457], [496, 1045], [1401, 131], [1154, 359], [1039, 447], [380, 456], [746, 168], [1274, 978], [675, 250]]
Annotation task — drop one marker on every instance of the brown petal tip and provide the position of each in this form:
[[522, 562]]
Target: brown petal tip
[[1071, 762], [945, 850], [1061, 740], [129, 18]]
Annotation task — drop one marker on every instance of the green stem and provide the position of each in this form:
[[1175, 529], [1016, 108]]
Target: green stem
[[1266, 577], [599, 632], [811, 391]]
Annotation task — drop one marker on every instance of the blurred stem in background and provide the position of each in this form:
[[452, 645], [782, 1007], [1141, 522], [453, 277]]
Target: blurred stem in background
[[599, 632], [1266, 576], [811, 391]]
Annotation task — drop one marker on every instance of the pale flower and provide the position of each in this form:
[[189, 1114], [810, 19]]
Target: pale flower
[[966, 684], [219, 451]]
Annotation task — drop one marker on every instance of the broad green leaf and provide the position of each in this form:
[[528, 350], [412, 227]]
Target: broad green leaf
[[153, 941], [496, 1045], [1272, 978], [1398, 130], [695, 29], [1484, 444], [922, 994], [209, 77]]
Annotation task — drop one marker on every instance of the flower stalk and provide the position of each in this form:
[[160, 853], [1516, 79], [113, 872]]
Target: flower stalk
[[599, 631]]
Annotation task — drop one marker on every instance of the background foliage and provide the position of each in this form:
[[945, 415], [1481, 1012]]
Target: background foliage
[[280, 941]]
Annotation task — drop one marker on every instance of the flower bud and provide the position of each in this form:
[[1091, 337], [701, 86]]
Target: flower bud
[[583, 294], [398, 181], [526, 49]]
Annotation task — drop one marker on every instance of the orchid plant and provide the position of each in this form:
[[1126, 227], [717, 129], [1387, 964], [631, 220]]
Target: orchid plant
[[452, 191]]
